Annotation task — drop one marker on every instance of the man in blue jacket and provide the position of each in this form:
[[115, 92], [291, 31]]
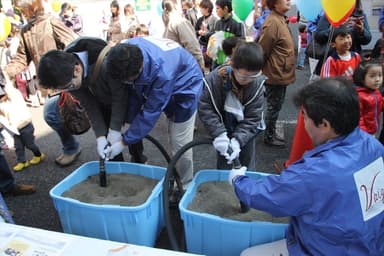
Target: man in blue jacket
[[165, 78], [138, 80], [334, 194]]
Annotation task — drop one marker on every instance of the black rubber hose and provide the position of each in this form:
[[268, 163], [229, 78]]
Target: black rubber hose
[[167, 158], [160, 147], [168, 176]]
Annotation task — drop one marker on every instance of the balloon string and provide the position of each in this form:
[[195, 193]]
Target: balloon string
[[331, 31]]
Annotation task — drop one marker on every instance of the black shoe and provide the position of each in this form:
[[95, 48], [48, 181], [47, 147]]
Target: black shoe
[[175, 197], [139, 160], [274, 142], [20, 190]]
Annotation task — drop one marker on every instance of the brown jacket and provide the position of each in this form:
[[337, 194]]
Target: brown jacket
[[40, 35], [181, 30], [279, 50], [115, 32]]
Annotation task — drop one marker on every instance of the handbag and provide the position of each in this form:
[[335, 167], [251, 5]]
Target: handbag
[[74, 115]]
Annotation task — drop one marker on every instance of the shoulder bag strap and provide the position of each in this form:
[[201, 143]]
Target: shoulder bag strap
[[99, 61]]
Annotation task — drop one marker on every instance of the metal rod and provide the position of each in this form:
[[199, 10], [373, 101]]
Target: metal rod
[[102, 174]]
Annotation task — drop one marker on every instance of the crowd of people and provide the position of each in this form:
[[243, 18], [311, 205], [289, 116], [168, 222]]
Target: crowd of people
[[126, 79]]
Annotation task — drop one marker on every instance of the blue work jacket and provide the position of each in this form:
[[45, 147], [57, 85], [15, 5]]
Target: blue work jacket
[[334, 195], [171, 82]]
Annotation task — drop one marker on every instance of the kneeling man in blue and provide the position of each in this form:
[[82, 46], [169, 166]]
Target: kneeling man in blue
[[333, 194]]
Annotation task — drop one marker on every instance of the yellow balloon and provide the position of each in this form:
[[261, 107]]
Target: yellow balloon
[[338, 11], [56, 5], [5, 26]]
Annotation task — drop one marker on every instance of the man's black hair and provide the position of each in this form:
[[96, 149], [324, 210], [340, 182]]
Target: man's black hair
[[229, 44], [248, 56], [56, 68], [224, 3], [332, 99], [124, 61]]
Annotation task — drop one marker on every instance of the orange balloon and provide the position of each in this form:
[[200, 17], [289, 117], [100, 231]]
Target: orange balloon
[[5, 27], [338, 11]]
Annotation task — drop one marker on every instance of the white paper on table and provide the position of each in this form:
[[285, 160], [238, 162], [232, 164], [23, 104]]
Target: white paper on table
[[30, 243]]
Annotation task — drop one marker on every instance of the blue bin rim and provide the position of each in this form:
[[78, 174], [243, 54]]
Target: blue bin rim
[[155, 192], [190, 192]]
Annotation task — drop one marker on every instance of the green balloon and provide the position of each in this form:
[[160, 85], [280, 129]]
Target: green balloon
[[242, 8]]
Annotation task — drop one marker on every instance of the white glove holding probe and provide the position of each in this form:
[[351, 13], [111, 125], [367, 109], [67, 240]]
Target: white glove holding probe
[[113, 150], [221, 144], [102, 144], [113, 136], [235, 146], [235, 173]]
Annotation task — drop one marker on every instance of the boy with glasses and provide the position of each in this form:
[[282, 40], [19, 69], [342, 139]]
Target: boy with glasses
[[231, 106]]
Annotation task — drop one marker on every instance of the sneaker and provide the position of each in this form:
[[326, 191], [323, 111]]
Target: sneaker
[[21, 189], [37, 159], [279, 138], [20, 166], [274, 142], [65, 160]]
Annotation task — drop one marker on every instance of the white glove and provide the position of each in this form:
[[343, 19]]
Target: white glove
[[235, 146], [221, 144], [125, 128], [113, 150], [236, 172], [102, 144], [113, 136]]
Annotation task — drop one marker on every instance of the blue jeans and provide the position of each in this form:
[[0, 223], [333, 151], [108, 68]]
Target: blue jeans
[[52, 118], [7, 181], [301, 57]]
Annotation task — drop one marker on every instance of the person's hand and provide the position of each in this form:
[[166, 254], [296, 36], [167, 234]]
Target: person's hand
[[235, 146], [221, 144], [113, 136], [125, 128], [113, 150], [236, 172], [359, 24], [102, 144]]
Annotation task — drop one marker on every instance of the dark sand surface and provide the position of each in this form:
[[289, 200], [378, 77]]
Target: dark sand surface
[[124, 189]]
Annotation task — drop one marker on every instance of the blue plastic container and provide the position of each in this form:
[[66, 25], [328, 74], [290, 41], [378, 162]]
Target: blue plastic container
[[216, 236], [136, 225]]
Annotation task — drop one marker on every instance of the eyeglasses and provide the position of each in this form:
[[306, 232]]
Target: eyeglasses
[[246, 77]]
